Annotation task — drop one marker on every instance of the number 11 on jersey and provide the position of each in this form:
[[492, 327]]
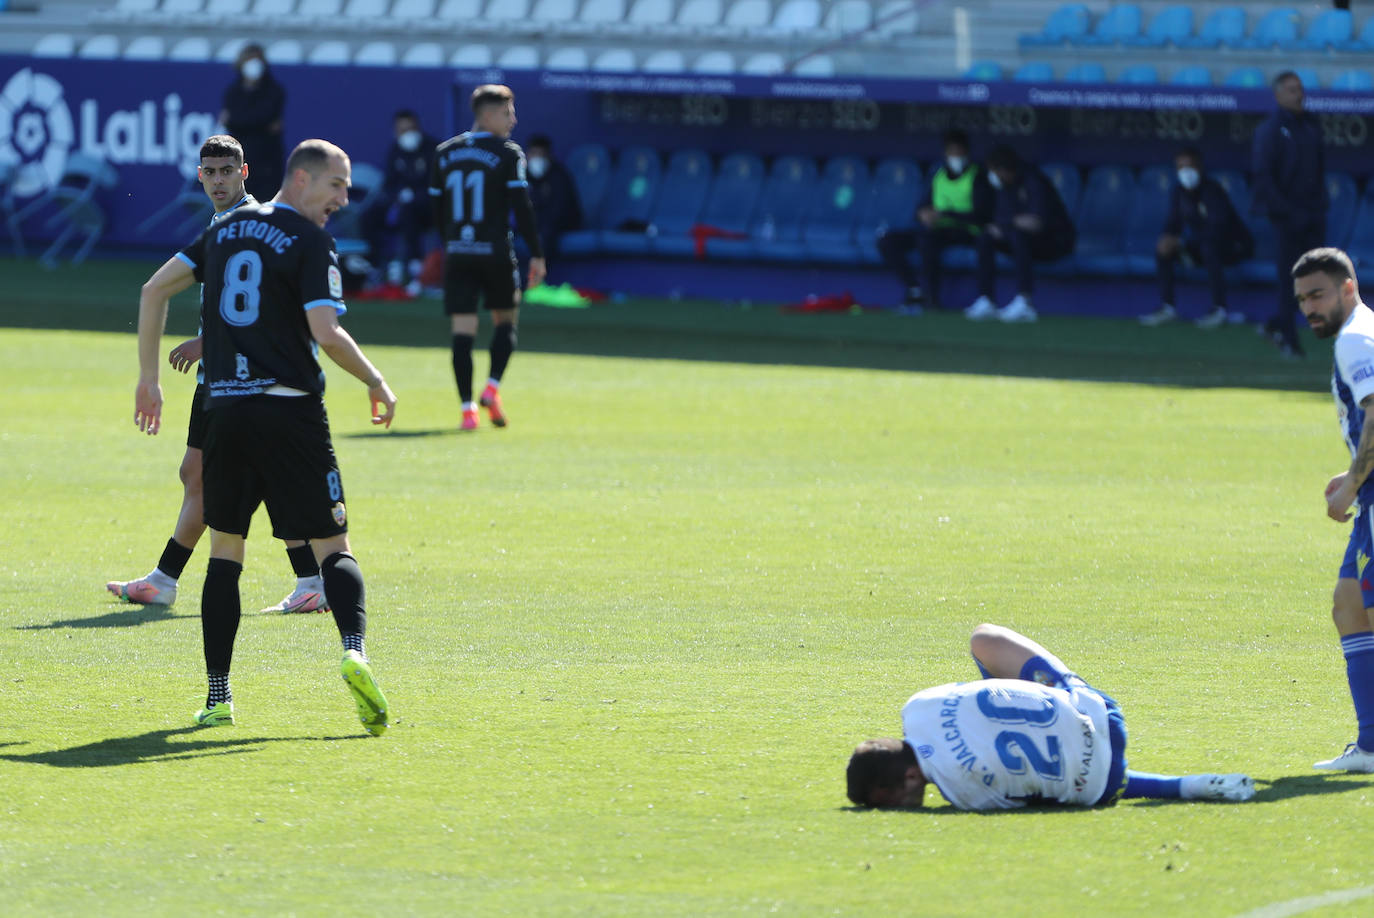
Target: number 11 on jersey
[[475, 182]]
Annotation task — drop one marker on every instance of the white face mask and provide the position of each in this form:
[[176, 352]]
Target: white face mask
[[410, 140], [955, 164], [1188, 177], [253, 69], [538, 165], [995, 180]]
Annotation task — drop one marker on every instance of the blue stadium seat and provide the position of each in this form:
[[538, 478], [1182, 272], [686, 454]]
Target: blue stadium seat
[[1246, 78], [1308, 75], [1118, 24], [1103, 214], [985, 71], [630, 196], [1361, 244], [1149, 208], [1034, 72], [1260, 268], [1065, 23], [1087, 72], [1170, 26], [1365, 41], [1139, 75], [1225, 26], [774, 229], [1345, 201], [734, 196], [1067, 181], [836, 202], [590, 166], [1275, 28], [1191, 76], [679, 201], [1354, 80], [897, 188], [1328, 29]]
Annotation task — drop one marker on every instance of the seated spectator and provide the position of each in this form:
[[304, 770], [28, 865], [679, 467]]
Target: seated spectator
[[557, 209], [1202, 228], [956, 203], [400, 214], [1029, 223]]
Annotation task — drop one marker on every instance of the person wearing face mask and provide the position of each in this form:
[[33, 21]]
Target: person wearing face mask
[[956, 202], [1029, 223], [557, 209], [1288, 173], [252, 112], [1202, 228], [398, 217]]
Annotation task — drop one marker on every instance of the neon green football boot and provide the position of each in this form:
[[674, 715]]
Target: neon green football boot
[[217, 715], [371, 702]]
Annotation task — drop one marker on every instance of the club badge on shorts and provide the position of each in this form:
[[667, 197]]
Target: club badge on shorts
[[340, 514]]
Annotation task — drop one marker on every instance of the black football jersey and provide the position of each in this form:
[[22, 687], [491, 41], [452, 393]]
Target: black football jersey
[[477, 178], [263, 268]]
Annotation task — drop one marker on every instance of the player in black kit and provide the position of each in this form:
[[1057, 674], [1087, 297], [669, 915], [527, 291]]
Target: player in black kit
[[477, 179], [273, 290]]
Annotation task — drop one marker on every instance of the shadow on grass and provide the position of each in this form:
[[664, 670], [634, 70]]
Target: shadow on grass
[[403, 434], [124, 617], [157, 746]]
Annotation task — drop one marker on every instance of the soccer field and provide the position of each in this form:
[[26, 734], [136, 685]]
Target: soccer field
[[632, 639]]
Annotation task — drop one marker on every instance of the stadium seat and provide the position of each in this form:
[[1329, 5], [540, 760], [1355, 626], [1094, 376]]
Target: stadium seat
[[615, 60], [1224, 26], [346, 225], [412, 12], [471, 56], [897, 188], [1246, 78], [1328, 29], [1276, 27], [1066, 181], [1087, 72], [554, 13], [1260, 268], [423, 54], [828, 234], [228, 52], [590, 166], [814, 65], [699, 15], [765, 63], [630, 196], [285, 51], [519, 57], [54, 44], [846, 17], [127, 10], [223, 11], [648, 15], [1066, 23], [1138, 75], [732, 200], [1340, 216], [775, 231], [1360, 246], [364, 14], [331, 52], [195, 48], [376, 54], [666, 60], [680, 198], [99, 47], [714, 62], [1149, 208], [1365, 41], [796, 17], [1308, 76], [1034, 72], [1171, 26], [1103, 214], [566, 58], [463, 15], [507, 11], [985, 71], [316, 13], [1353, 81], [597, 15], [73, 208], [893, 19], [1118, 24], [745, 16], [145, 48], [1191, 76], [182, 11]]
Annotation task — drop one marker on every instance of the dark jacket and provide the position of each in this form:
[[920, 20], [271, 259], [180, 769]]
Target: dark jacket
[[249, 116], [1033, 193], [1288, 168], [556, 206], [1205, 213], [409, 169]]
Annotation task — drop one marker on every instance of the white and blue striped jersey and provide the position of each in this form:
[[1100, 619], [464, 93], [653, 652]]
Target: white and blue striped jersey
[[1352, 381], [1003, 743]]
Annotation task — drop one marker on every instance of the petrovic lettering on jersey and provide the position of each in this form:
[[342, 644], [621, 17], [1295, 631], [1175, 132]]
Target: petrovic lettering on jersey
[[265, 233]]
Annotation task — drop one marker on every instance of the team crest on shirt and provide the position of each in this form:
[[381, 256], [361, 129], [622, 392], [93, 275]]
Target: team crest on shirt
[[335, 282], [340, 514], [925, 751]]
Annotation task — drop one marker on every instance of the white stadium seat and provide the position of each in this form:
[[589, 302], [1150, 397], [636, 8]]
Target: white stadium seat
[[699, 14], [646, 16], [767, 63], [56, 44], [797, 16], [471, 56], [99, 47], [547, 12], [424, 54], [615, 60], [411, 11], [130, 9], [714, 62], [224, 11], [317, 12], [819, 65], [365, 15], [567, 59], [181, 9], [519, 57], [848, 16], [464, 15], [327, 52], [145, 48], [506, 11], [602, 12], [229, 51], [896, 17], [376, 54], [665, 61], [196, 48], [284, 51], [746, 14]]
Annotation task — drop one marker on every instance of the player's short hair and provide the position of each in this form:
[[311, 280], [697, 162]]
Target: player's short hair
[[1004, 157], [1191, 152], [1284, 75], [877, 763], [490, 94], [312, 155], [543, 141], [956, 138], [222, 145], [1327, 260], [252, 49], [406, 113]]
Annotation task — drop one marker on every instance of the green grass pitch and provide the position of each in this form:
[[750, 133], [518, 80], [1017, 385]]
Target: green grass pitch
[[632, 639]]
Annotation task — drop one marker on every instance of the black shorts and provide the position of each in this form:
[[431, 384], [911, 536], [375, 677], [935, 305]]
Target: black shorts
[[275, 450], [200, 420], [490, 279]]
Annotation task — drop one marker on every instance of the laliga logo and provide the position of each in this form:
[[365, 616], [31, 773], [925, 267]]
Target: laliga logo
[[36, 132]]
